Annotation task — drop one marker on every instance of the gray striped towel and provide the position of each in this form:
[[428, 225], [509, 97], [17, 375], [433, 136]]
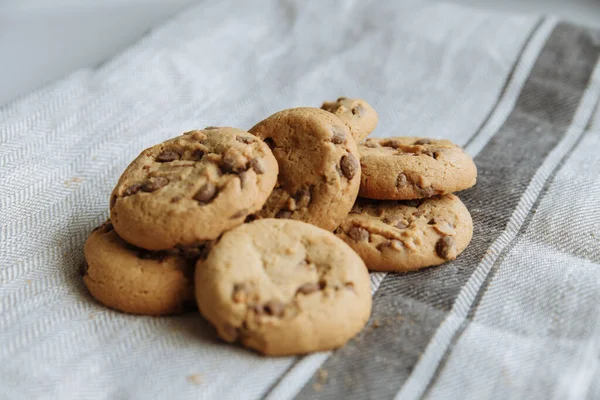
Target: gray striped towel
[[516, 316]]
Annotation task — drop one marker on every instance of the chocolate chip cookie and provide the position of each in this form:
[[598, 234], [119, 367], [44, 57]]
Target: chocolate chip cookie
[[360, 118], [138, 281], [319, 173], [407, 235], [405, 168], [192, 188], [283, 287]]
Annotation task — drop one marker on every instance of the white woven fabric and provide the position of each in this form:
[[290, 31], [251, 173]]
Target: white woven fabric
[[430, 70]]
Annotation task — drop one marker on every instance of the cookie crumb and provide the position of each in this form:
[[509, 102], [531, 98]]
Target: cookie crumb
[[196, 379], [73, 180], [376, 324], [321, 379]]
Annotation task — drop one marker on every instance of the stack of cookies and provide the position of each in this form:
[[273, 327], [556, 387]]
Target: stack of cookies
[[262, 229]]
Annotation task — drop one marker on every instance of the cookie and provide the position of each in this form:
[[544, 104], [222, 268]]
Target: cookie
[[283, 287], [405, 168], [192, 188], [319, 173], [407, 235], [135, 280], [360, 118]]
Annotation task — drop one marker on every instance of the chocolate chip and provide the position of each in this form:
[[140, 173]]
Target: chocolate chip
[[358, 110], [269, 142], [240, 292], [422, 141], [308, 288], [257, 309], [257, 165], [131, 190], [381, 246], [395, 244], [339, 136], [358, 234], [211, 128], [274, 308], [427, 192], [401, 180], [431, 221], [393, 143], [251, 217], [349, 166], [175, 199], [228, 166], [284, 214], [245, 139], [445, 246], [167, 156], [233, 162], [302, 198], [356, 209], [206, 193], [197, 155], [154, 183]]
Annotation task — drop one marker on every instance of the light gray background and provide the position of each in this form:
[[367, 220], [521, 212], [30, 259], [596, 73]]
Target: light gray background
[[44, 40]]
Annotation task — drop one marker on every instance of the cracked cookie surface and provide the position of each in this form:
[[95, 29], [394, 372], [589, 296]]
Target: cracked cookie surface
[[404, 168], [358, 115], [283, 287], [407, 235], [192, 188], [138, 281], [319, 172]]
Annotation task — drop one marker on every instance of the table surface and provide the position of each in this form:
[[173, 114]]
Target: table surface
[[44, 40]]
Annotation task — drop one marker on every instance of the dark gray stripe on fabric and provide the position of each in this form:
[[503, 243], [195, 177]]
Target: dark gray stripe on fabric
[[499, 261], [408, 308]]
